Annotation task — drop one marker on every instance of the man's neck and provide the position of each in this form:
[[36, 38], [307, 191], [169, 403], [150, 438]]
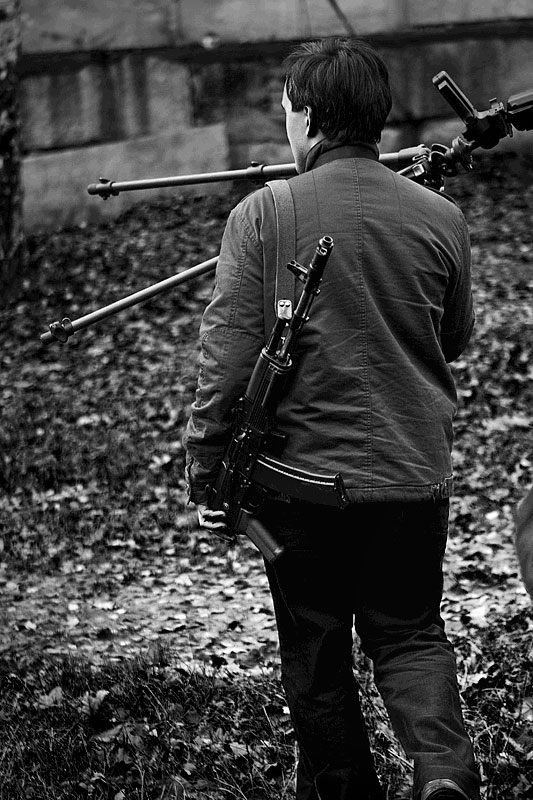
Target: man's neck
[[326, 150]]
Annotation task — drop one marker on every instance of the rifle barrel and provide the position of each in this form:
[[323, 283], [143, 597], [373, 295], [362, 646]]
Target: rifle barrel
[[130, 300], [256, 172]]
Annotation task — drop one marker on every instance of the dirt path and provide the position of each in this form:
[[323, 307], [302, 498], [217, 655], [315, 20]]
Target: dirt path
[[216, 610]]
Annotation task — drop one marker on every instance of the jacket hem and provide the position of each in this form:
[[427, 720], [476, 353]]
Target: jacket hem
[[397, 493]]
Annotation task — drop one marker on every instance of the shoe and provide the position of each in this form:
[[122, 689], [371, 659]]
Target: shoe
[[442, 789]]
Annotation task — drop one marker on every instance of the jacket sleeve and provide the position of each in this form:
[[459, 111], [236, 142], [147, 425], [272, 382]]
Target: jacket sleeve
[[231, 338], [458, 318]]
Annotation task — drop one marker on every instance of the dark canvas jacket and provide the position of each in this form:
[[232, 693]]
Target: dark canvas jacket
[[372, 395]]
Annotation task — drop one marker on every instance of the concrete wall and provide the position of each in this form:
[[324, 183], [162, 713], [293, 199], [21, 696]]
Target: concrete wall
[[71, 25], [441, 12], [55, 183], [135, 90], [67, 25]]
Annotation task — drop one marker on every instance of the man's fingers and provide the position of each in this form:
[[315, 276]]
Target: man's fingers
[[213, 525], [210, 519]]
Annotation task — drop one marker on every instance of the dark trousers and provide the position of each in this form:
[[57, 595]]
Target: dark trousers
[[377, 566]]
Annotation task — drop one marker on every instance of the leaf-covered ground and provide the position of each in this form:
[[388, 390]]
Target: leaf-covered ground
[[100, 553]]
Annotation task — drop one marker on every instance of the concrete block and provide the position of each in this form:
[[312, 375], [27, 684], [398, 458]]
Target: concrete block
[[407, 74], [261, 81], [435, 12], [37, 129], [254, 125], [362, 17], [482, 69], [71, 25], [168, 93], [239, 20], [516, 67], [71, 107], [66, 25], [128, 96], [55, 184], [57, 25], [247, 20]]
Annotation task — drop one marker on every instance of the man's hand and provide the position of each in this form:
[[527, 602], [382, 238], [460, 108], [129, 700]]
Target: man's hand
[[214, 521]]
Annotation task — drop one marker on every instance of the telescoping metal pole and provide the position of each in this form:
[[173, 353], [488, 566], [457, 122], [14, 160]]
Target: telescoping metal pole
[[62, 331]]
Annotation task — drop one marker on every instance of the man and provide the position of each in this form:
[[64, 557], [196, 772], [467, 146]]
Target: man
[[372, 398], [523, 517]]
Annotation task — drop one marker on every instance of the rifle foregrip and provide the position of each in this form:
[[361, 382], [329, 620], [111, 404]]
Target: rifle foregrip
[[262, 539]]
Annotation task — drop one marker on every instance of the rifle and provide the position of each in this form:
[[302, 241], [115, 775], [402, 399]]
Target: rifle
[[427, 166], [256, 173], [234, 490]]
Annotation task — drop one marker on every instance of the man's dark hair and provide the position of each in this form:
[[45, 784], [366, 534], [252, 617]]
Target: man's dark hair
[[346, 85]]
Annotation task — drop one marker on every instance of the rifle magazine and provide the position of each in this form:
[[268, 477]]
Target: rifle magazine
[[310, 487]]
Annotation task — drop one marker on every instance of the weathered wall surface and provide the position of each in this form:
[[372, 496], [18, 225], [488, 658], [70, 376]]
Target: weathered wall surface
[[55, 183], [437, 12], [135, 90], [60, 25], [68, 25]]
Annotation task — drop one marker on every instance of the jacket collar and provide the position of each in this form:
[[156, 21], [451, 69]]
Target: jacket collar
[[326, 151]]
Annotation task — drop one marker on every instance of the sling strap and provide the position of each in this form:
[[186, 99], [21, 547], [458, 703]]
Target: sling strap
[[285, 251]]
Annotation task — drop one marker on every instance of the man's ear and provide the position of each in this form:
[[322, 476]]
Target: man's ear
[[312, 128]]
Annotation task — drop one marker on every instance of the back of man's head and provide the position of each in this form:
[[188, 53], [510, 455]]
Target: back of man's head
[[345, 83]]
